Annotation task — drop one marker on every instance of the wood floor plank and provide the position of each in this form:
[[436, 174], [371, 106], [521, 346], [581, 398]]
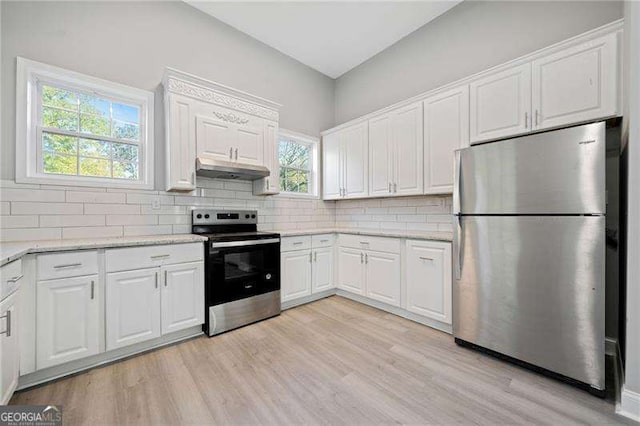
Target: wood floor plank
[[334, 361]]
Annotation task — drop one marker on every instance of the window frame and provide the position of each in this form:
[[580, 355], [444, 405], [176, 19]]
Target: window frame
[[314, 148], [31, 77]]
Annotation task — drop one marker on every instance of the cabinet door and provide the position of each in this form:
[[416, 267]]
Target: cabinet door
[[380, 156], [576, 84], [356, 161], [446, 128], [250, 145], [331, 167], [180, 144], [271, 184], [182, 296], [9, 348], [408, 150], [215, 138], [351, 270], [295, 268], [132, 307], [429, 279], [322, 269], [501, 104], [383, 277], [67, 322]]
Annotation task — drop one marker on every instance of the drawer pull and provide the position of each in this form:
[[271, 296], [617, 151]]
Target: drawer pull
[[156, 280], [297, 243], [8, 329], [165, 278], [15, 279], [68, 265], [324, 241], [366, 258], [426, 258], [93, 283], [160, 256], [364, 242], [361, 257]]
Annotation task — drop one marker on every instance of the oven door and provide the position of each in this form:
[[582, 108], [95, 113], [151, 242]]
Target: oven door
[[241, 269]]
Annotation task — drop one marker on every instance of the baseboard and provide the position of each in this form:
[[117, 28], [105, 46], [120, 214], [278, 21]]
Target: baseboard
[[73, 367], [308, 299], [629, 404]]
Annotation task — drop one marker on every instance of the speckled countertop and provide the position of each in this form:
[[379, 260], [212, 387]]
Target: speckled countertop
[[396, 233], [12, 250]]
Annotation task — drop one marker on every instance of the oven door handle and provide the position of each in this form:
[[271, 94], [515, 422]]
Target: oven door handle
[[244, 243]]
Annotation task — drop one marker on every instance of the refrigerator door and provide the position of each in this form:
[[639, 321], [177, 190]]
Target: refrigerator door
[[558, 172], [532, 288]]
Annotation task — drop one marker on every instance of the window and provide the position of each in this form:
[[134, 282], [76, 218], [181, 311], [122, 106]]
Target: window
[[298, 155], [76, 129]]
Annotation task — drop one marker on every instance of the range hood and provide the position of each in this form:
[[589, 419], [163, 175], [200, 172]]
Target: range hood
[[210, 167]]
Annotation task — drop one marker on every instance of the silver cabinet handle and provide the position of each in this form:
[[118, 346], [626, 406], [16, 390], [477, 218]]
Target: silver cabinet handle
[[165, 278], [156, 280], [389, 186], [361, 257], [92, 289], [315, 257], [297, 243], [236, 153], [15, 279], [267, 184], [526, 120], [426, 258], [324, 241], [8, 329], [537, 115], [310, 257], [364, 242], [395, 187], [160, 256], [68, 265], [230, 153], [193, 177], [366, 258]]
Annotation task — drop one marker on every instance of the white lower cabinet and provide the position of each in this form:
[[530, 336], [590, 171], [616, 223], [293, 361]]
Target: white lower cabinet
[[428, 279], [9, 348], [182, 296], [68, 326], [296, 274], [322, 269], [132, 307], [382, 272], [350, 270], [306, 266]]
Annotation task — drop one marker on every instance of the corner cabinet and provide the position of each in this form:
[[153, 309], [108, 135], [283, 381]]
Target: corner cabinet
[[345, 163], [9, 347], [209, 120]]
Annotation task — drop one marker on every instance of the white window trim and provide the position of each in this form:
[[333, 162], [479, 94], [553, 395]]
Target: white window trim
[[30, 76], [314, 144]]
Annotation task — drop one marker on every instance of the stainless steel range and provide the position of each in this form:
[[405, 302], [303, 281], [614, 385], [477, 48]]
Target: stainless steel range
[[242, 269]]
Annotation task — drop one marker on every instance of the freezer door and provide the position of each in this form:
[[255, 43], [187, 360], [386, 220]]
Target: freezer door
[[558, 172], [533, 288]]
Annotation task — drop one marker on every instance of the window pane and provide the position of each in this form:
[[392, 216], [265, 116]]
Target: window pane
[[94, 105], [95, 167], [283, 179], [60, 144], [60, 98], [125, 130], [303, 182], [294, 154], [95, 124], [93, 148], [125, 170], [60, 164], [59, 119], [123, 151], [127, 113]]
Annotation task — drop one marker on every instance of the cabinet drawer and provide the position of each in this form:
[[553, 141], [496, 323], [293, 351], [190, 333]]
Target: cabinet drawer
[[383, 244], [125, 259], [10, 276], [322, 240], [295, 243], [67, 264]]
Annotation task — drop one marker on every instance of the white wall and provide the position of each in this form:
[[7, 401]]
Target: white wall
[[132, 42], [471, 37]]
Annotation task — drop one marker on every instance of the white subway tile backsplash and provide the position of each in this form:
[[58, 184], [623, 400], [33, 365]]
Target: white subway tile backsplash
[[5, 207], [95, 197], [73, 220], [120, 219], [148, 230], [111, 209], [44, 196], [28, 234], [91, 232], [19, 222], [45, 208]]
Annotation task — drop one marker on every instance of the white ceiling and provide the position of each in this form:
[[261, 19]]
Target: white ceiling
[[331, 37]]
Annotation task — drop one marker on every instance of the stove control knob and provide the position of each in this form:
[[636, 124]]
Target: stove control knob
[[206, 216], [253, 216], [199, 216], [268, 276], [246, 216]]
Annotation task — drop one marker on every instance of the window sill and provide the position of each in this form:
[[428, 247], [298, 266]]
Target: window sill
[[74, 181], [297, 196]]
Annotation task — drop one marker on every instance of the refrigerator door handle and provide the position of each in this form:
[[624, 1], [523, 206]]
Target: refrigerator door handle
[[456, 182], [458, 247]]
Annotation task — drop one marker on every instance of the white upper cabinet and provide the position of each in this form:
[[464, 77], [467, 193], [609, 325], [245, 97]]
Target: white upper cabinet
[[446, 128], [181, 152], [206, 119], [345, 163], [501, 104], [407, 150], [576, 84], [380, 156]]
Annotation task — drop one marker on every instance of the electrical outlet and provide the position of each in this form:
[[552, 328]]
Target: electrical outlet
[[155, 204]]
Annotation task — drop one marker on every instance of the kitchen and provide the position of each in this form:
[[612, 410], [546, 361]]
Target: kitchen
[[158, 159]]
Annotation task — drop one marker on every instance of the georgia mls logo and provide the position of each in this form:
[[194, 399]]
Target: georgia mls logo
[[30, 415]]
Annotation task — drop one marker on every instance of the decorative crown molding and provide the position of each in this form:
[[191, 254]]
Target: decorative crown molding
[[207, 95], [230, 117]]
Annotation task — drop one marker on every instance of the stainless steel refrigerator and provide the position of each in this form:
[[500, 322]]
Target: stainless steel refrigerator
[[529, 252]]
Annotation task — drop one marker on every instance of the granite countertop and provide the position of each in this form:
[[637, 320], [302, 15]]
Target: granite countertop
[[396, 233], [12, 250]]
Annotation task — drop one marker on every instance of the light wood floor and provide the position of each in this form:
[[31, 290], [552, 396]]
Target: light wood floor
[[334, 361]]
